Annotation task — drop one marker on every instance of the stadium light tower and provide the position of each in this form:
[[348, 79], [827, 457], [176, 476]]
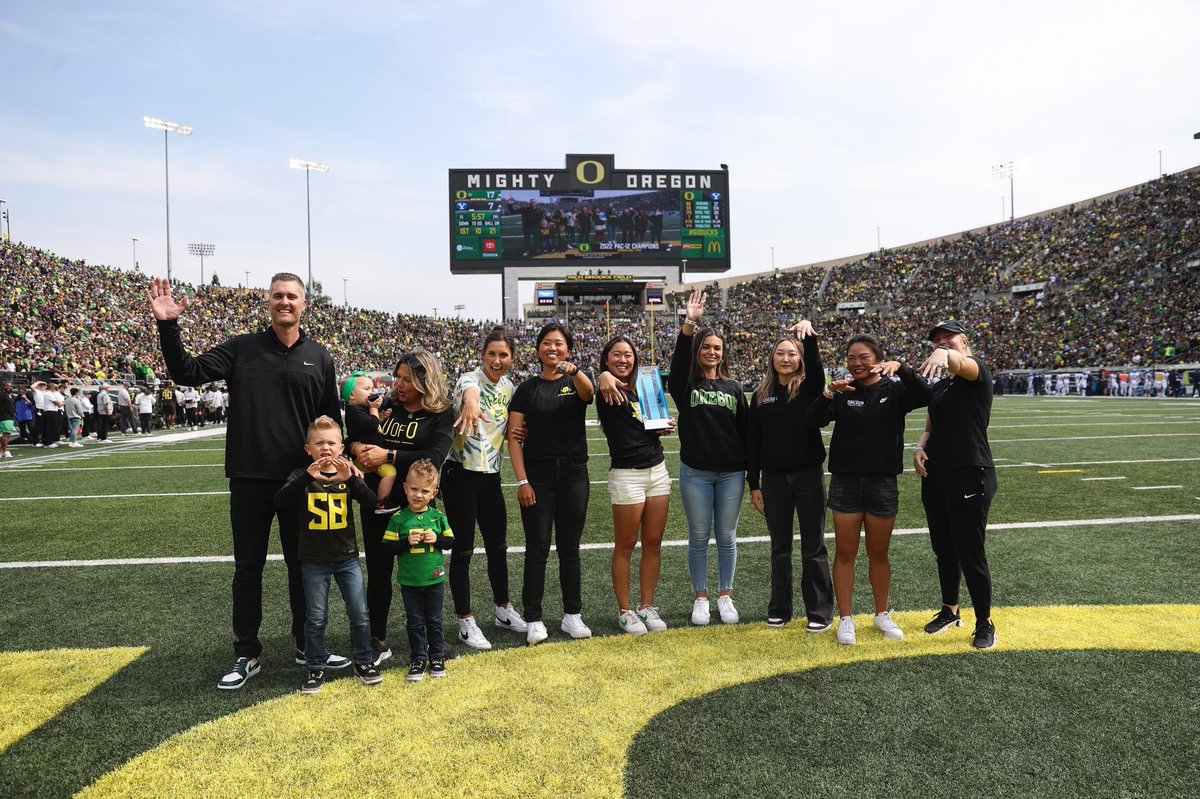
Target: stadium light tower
[[345, 282], [308, 166], [202, 251], [1007, 170], [167, 128], [459, 307], [135, 263], [2, 214]]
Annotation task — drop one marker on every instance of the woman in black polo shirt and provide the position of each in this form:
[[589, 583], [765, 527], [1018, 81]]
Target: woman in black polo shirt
[[416, 423], [552, 477], [638, 485], [865, 456], [958, 475]]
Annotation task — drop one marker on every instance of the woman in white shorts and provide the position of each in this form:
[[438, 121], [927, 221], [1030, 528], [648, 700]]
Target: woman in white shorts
[[638, 485]]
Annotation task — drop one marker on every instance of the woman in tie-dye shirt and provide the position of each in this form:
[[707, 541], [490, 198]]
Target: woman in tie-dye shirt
[[471, 485]]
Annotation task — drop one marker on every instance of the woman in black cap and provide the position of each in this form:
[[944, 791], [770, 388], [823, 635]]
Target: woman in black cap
[[958, 475]]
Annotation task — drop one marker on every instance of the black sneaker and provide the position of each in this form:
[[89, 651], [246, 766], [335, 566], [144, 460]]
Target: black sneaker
[[316, 679], [380, 651], [331, 662], [437, 667], [944, 620], [416, 671], [368, 674], [385, 507], [985, 635]]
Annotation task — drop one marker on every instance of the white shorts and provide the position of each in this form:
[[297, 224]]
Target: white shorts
[[634, 486]]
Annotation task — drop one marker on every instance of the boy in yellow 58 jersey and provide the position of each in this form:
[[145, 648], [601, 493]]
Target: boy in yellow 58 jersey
[[417, 535], [328, 547]]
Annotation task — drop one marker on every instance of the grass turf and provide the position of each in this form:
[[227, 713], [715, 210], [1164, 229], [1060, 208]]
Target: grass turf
[[180, 612]]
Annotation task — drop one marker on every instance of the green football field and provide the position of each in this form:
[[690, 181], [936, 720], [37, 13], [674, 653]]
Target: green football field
[[115, 628]]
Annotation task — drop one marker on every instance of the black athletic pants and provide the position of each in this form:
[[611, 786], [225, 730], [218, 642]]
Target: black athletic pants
[[251, 509], [956, 506], [799, 495], [52, 423], [380, 563], [472, 497], [103, 422], [561, 488]]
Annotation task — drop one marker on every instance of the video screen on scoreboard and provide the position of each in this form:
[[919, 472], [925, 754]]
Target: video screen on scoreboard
[[535, 226], [546, 296], [654, 295]]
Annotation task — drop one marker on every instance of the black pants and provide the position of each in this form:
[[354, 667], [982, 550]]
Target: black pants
[[190, 414], [380, 563], [956, 505], [798, 495], [26, 430], [103, 422], [251, 509], [128, 418], [52, 423], [472, 497], [562, 490], [147, 421]]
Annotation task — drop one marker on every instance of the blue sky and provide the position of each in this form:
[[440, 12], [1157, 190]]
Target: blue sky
[[835, 119]]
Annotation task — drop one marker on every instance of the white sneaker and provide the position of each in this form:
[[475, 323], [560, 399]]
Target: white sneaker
[[536, 633], [75, 446], [7, 454], [725, 607], [845, 634], [885, 625], [630, 623], [509, 619], [52, 446], [650, 618], [572, 625], [700, 611], [470, 634]]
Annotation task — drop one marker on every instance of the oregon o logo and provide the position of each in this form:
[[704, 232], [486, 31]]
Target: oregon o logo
[[460, 195], [689, 195], [585, 247], [581, 171]]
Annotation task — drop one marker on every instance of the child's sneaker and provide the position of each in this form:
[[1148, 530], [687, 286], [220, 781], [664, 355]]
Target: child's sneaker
[[316, 679], [508, 619], [470, 634], [368, 673], [650, 618], [437, 667], [385, 507], [630, 623], [416, 671], [241, 671]]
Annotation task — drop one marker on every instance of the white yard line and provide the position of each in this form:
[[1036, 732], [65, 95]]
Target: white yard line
[[758, 539], [1093, 479], [1153, 488], [118, 496]]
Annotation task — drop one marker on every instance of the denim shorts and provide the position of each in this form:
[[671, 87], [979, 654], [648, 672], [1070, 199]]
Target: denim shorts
[[878, 496]]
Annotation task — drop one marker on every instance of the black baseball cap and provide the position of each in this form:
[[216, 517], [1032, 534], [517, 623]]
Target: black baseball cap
[[950, 326]]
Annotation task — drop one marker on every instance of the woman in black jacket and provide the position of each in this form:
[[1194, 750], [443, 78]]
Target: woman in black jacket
[[787, 451], [865, 456]]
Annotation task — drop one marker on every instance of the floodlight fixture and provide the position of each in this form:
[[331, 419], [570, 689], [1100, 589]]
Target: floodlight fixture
[[1008, 170], [166, 128], [202, 251], [162, 124], [311, 166]]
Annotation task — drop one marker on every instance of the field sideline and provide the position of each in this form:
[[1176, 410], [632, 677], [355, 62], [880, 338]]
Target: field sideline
[[116, 568]]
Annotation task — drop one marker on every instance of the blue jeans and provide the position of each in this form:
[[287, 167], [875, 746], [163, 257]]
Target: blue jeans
[[316, 595], [423, 607], [712, 502]]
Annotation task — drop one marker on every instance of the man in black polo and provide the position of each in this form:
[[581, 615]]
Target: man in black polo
[[282, 380]]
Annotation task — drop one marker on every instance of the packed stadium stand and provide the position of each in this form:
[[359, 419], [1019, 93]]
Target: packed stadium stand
[[1107, 282]]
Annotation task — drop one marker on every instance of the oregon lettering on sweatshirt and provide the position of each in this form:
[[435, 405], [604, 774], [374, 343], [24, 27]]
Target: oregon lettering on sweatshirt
[[707, 397]]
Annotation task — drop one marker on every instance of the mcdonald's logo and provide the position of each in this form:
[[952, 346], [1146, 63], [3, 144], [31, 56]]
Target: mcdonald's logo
[[714, 248]]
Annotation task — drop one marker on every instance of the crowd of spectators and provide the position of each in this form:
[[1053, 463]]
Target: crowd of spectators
[[1121, 286]]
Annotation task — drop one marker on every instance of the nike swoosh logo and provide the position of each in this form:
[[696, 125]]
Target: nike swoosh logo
[[505, 622], [968, 496], [306, 363]]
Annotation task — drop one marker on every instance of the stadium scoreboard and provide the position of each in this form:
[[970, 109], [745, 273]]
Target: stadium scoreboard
[[588, 214]]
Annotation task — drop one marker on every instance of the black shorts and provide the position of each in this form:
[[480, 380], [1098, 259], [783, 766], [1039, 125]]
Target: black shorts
[[878, 496]]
